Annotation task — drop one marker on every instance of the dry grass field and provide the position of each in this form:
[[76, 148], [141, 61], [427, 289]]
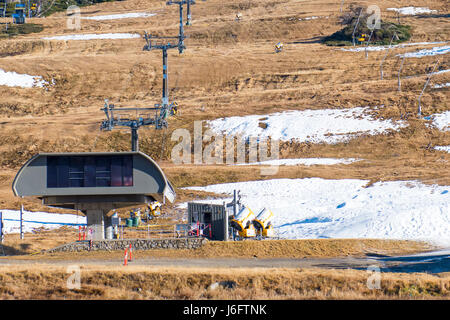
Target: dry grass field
[[50, 282]]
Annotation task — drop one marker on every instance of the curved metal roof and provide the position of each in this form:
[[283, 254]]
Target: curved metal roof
[[148, 180]]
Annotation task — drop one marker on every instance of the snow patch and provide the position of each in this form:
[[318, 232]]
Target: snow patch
[[441, 120], [442, 148], [319, 208], [11, 220], [411, 11], [302, 161], [426, 52], [443, 85], [95, 36], [13, 79], [317, 126], [440, 72], [121, 16], [381, 48]]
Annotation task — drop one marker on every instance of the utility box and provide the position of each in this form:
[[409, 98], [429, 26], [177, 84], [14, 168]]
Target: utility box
[[217, 216]]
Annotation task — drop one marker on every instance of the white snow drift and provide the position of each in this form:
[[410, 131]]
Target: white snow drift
[[317, 126], [319, 208], [94, 36], [121, 16], [381, 48], [426, 52], [411, 11], [441, 120], [443, 148], [11, 220], [442, 85], [302, 161], [13, 79]]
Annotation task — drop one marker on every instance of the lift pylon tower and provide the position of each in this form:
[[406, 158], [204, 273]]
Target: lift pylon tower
[[114, 119], [188, 12], [163, 110], [188, 9], [181, 35], [152, 44]]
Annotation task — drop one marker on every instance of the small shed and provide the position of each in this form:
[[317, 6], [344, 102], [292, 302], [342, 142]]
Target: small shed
[[217, 216]]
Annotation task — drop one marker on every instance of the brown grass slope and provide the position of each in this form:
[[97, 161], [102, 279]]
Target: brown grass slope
[[228, 69]]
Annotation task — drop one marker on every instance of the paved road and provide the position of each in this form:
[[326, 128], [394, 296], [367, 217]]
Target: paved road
[[430, 262]]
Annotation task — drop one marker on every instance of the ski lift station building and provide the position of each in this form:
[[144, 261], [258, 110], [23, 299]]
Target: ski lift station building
[[94, 183]]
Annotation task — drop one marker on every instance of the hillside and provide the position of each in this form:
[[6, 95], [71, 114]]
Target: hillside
[[229, 69]]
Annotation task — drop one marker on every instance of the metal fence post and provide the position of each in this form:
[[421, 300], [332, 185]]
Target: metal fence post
[[1, 227], [21, 222]]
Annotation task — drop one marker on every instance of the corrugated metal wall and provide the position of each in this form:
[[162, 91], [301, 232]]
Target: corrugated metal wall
[[209, 213]]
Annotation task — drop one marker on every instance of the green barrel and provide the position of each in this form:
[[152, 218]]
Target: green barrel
[[136, 221], [129, 222]]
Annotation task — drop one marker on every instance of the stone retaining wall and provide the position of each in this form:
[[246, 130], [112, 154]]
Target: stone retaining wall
[[136, 244]]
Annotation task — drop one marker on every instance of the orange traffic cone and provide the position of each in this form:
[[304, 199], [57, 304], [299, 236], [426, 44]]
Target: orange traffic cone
[[130, 253], [125, 259]]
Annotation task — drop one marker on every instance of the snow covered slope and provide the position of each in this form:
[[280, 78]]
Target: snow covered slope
[[319, 208], [327, 125], [11, 220]]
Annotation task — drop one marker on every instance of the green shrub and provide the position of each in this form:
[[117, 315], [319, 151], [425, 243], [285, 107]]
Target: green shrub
[[17, 29], [380, 36]]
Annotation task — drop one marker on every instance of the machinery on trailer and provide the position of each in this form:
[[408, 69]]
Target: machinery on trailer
[[243, 223], [263, 223]]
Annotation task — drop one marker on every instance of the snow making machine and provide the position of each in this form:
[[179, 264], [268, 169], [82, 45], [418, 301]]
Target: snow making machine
[[263, 223], [243, 223]]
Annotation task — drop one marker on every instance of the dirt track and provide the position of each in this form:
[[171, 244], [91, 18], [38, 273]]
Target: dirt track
[[430, 262]]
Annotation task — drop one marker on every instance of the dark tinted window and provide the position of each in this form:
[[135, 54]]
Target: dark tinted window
[[89, 171], [62, 172], [76, 172]]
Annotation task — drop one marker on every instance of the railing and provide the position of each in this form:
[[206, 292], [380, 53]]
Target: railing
[[149, 231], [193, 230]]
